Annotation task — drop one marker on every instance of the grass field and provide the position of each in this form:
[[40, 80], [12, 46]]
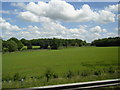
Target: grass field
[[77, 60]]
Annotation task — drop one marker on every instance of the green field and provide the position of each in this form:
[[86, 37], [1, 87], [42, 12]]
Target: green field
[[77, 60]]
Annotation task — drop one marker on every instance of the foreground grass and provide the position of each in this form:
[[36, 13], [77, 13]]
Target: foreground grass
[[70, 65]]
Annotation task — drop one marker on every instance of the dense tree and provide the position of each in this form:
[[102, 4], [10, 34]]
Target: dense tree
[[14, 44], [19, 43], [46, 43], [11, 45], [24, 41], [115, 41], [29, 45], [54, 44]]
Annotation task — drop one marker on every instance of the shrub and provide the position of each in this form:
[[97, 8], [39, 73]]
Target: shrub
[[16, 76], [48, 74], [69, 74], [55, 75], [97, 73], [111, 70]]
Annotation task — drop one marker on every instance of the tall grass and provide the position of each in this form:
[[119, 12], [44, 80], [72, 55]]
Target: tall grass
[[51, 78]]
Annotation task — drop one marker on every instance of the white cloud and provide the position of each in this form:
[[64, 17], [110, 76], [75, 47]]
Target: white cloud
[[105, 17], [61, 10], [53, 29], [112, 34], [51, 14], [7, 26], [97, 29], [28, 16], [18, 4], [2, 20], [113, 8], [104, 30]]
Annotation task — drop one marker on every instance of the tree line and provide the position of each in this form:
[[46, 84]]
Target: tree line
[[13, 44], [104, 42]]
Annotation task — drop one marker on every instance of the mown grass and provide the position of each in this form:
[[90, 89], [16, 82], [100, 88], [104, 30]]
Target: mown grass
[[68, 65], [34, 47]]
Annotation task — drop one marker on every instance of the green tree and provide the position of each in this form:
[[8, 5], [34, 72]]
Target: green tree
[[54, 44], [29, 45], [19, 43], [24, 41], [11, 45]]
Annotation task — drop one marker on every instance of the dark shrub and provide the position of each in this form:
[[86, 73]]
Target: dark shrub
[[48, 74], [16, 76], [97, 73], [111, 70], [69, 74]]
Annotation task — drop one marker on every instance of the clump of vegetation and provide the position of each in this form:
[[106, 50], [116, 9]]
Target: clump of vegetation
[[84, 74], [7, 78], [49, 74], [69, 74], [111, 70], [19, 77], [97, 72], [18, 81]]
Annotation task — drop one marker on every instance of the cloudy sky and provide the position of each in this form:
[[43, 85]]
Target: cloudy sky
[[60, 19]]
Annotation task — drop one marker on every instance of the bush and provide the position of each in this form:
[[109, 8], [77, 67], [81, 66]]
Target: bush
[[18, 77], [69, 74], [97, 73], [49, 74], [111, 70], [55, 75]]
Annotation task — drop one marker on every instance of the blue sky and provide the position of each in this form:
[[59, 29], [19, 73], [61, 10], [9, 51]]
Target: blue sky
[[60, 19]]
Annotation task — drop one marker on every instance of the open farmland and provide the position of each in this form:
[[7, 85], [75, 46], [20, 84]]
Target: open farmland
[[93, 62]]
